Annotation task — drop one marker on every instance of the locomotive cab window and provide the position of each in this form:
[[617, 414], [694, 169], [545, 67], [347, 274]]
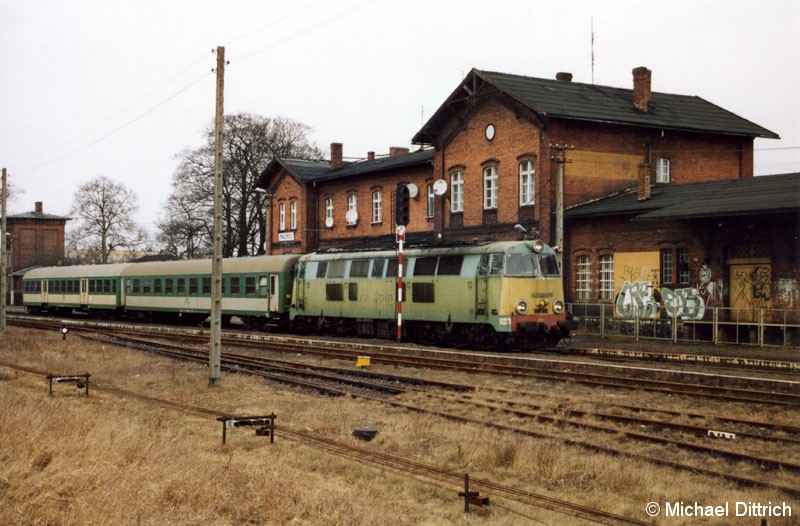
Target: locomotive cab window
[[450, 265], [425, 266], [377, 268], [336, 268], [359, 268]]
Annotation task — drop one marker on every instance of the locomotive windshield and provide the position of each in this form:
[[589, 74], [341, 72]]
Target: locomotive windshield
[[531, 265]]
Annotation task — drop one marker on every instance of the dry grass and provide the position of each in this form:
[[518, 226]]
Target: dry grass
[[105, 460]]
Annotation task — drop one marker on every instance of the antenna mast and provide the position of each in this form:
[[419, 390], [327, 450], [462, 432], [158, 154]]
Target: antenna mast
[[592, 50]]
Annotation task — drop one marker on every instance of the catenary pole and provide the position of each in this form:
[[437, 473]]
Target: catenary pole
[[215, 355]]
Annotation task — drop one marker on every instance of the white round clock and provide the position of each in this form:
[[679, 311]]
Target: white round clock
[[490, 132]]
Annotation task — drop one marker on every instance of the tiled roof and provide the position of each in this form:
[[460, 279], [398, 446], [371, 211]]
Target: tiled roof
[[305, 170], [594, 103], [748, 196]]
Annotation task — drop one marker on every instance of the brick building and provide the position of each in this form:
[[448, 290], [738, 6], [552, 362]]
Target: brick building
[[500, 144], [37, 240]]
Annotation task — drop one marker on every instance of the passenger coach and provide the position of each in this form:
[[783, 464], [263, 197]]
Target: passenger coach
[[59, 290]]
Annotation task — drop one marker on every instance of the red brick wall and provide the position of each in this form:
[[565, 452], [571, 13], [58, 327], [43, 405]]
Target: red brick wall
[[36, 242]]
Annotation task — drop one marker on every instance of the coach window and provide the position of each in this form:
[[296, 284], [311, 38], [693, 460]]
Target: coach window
[[250, 285], [336, 268], [450, 265], [181, 286], [207, 286], [391, 268], [193, 286], [236, 286], [147, 286], [169, 286], [359, 268], [377, 268], [425, 266]]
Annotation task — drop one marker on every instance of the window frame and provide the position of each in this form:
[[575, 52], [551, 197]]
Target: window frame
[[377, 207], [527, 181], [663, 170], [293, 215], [457, 192], [490, 188], [606, 277], [583, 277], [282, 216]]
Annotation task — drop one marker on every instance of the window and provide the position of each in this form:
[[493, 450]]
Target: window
[[157, 286], [490, 188], [282, 216], [236, 286], [336, 268], [181, 286], [425, 266], [662, 170], [329, 211], [431, 201], [322, 268], [683, 266], [377, 268], [352, 204], [450, 265], [582, 278], [527, 172], [193, 286], [359, 268], [457, 192], [250, 285], [169, 286], [377, 201], [607, 277], [667, 266], [293, 215], [206, 286]]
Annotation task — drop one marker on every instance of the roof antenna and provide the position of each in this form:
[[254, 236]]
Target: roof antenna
[[592, 50]]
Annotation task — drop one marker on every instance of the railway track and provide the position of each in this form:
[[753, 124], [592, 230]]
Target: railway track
[[284, 372], [397, 464]]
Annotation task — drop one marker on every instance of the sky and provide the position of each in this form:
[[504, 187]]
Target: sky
[[119, 88]]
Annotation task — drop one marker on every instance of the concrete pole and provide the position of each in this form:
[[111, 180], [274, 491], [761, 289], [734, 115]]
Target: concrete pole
[[215, 355]]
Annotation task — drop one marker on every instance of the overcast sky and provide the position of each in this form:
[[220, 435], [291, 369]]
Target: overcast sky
[[119, 88]]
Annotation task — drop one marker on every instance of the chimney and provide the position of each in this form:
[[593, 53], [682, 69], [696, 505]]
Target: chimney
[[641, 88], [563, 76], [643, 184], [370, 156], [336, 155], [38, 210], [397, 150]]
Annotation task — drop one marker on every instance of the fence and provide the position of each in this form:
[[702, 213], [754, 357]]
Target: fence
[[762, 327]]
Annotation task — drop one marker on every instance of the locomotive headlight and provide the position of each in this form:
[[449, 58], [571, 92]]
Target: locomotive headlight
[[537, 245], [522, 307], [558, 306]]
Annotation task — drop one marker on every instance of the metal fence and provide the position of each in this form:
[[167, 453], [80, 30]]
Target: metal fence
[[761, 327]]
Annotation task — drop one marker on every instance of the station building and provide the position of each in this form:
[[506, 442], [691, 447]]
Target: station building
[[620, 179]]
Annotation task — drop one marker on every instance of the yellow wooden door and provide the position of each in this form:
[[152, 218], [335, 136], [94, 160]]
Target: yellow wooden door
[[750, 289]]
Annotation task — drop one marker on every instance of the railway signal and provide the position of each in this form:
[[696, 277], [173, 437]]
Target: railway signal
[[402, 202]]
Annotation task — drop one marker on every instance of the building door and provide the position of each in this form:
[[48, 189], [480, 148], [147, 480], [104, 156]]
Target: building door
[[750, 288]]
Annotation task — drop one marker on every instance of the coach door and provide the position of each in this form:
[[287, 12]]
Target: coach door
[[84, 291], [482, 286], [274, 299]]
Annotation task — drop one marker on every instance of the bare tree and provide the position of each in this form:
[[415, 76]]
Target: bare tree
[[103, 210], [250, 143]]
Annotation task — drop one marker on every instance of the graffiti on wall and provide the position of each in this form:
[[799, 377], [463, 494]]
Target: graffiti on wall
[[640, 299], [708, 288], [787, 292]]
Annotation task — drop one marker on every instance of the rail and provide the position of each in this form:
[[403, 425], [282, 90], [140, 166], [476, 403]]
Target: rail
[[718, 325]]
